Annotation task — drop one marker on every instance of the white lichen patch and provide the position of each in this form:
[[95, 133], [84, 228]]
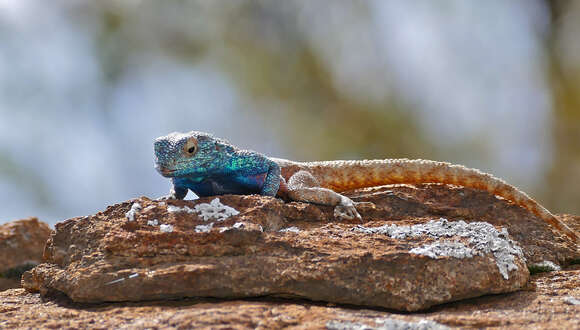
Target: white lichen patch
[[166, 228], [571, 300], [290, 229], [386, 324], [482, 238], [153, 222], [444, 249], [215, 210], [177, 209], [135, 208], [547, 265], [424, 324], [203, 228]]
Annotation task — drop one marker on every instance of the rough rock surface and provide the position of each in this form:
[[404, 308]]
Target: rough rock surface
[[403, 256], [21, 245], [539, 241], [547, 302]]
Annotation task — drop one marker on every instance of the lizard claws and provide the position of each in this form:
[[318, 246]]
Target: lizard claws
[[346, 210]]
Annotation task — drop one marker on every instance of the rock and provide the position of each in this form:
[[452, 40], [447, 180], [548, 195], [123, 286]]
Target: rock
[[546, 303], [21, 245], [539, 241], [250, 246]]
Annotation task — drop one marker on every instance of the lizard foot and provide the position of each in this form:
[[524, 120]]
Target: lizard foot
[[174, 193], [346, 210]]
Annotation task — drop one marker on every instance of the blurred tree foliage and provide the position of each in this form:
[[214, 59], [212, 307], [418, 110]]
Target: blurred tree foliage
[[260, 45], [562, 191], [320, 121], [279, 69], [263, 48]]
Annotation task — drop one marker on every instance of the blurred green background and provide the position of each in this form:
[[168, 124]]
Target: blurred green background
[[85, 87]]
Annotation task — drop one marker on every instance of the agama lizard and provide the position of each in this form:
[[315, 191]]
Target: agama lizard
[[211, 166]]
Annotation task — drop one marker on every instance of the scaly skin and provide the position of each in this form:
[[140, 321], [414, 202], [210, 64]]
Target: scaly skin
[[210, 166]]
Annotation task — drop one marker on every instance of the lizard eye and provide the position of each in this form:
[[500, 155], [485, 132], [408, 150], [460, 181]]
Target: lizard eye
[[190, 146]]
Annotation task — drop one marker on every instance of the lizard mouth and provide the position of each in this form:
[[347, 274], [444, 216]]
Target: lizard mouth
[[165, 171]]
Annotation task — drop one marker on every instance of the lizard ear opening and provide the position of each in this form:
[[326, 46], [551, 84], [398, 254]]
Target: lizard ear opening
[[190, 147]]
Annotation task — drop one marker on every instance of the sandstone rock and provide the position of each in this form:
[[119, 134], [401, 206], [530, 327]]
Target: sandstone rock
[[250, 246], [21, 245], [544, 304]]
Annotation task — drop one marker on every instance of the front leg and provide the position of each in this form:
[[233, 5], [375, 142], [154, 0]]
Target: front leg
[[272, 180], [303, 186], [177, 191]]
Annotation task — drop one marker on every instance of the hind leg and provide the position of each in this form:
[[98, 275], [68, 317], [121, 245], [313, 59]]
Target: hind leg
[[303, 187]]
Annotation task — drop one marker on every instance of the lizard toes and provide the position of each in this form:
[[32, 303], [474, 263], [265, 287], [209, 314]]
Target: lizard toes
[[346, 212]]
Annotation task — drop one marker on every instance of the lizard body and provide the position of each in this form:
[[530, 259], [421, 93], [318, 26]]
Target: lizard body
[[209, 166]]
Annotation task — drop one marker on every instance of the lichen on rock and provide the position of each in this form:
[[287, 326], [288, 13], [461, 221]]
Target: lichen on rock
[[480, 238], [133, 211]]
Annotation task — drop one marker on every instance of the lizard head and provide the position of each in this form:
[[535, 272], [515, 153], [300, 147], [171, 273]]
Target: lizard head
[[180, 154]]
